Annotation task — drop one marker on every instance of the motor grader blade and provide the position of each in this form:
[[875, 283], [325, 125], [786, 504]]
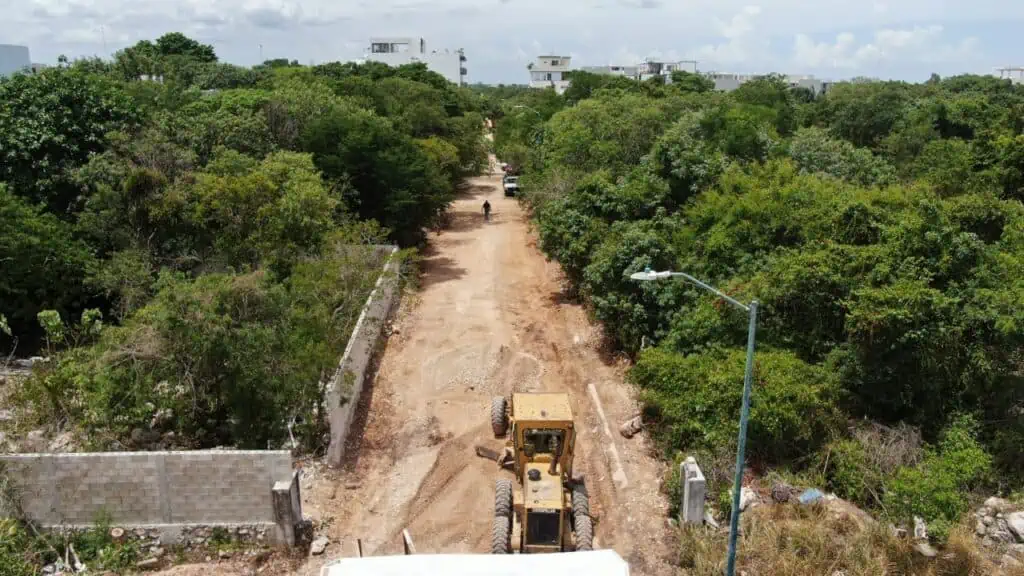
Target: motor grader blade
[[503, 458]]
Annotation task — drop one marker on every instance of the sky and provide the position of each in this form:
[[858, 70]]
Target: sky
[[834, 39]]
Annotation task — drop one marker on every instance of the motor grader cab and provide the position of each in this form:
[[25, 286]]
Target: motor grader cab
[[548, 511]]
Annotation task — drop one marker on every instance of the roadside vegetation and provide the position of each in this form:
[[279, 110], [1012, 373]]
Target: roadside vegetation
[[181, 236], [880, 227]]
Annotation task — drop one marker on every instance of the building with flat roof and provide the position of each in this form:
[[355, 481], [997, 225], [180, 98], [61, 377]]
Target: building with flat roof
[[550, 72], [632, 72], [401, 51], [727, 81], [650, 68], [14, 59], [645, 70], [1015, 74]]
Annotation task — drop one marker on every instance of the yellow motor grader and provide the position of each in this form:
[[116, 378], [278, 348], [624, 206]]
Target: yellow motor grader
[[547, 511]]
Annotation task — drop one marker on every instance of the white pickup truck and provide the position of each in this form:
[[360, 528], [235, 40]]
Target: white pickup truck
[[511, 185]]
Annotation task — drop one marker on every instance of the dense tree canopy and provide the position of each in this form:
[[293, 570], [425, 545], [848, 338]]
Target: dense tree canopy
[[207, 212], [879, 226]]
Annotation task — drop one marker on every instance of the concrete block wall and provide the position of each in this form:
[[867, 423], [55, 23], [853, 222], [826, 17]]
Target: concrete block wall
[[149, 488], [345, 388]]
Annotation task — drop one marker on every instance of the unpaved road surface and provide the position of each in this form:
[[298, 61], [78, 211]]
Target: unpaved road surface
[[490, 317]]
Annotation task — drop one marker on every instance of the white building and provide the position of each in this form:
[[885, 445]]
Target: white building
[[645, 70], [550, 72], [651, 68], [400, 51], [631, 72], [1014, 74], [727, 82], [14, 59]]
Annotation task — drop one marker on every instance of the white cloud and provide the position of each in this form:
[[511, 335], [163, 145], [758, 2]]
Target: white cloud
[[739, 35], [920, 44], [744, 43]]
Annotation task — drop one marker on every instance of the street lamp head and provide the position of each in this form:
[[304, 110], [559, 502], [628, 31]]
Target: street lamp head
[[648, 275]]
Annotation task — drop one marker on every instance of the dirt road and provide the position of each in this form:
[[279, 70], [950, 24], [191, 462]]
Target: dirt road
[[490, 317]]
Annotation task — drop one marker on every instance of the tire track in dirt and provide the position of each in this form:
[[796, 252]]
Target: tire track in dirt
[[490, 318]]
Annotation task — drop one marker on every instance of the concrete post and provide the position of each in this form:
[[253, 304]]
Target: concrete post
[[287, 508], [692, 508]]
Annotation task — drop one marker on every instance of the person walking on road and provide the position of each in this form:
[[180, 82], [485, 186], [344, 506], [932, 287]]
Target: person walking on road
[[487, 210]]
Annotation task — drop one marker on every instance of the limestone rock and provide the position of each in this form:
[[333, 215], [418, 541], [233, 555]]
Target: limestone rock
[[34, 442], [997, 504], [64, 442], [748, 499], [1015, 524], [319, 546], [925, 549], [631, 427], [979, 528], [148, 564], [710, 521], [920, 529], [781, 492]]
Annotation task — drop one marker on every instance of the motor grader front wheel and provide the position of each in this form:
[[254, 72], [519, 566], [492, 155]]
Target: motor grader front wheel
[[501, 543], [499, 416], [503, 499], [584, 534], [580, 501], [583, 524]]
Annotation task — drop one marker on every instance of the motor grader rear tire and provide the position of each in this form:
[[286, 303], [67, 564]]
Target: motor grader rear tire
[[499, 416], [580, 501], [503, 499], [584, 534], [500, 541]]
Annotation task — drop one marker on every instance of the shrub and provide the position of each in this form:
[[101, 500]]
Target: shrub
[[226, 359], [858, 468], [43, 266], [814, 151], [694, 401], [937, 488], [631, 310]]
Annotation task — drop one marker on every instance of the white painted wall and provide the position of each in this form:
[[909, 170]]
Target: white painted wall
[[447, 63], [14, 59], [549, 72]]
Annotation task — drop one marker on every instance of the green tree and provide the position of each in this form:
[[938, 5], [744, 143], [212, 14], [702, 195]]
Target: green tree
[[772, 92], [864, 113], [685, 159], [690, 82], [392, 179], [44, 266], [814, 151], [177, 44], [50, 124], [694, 402]]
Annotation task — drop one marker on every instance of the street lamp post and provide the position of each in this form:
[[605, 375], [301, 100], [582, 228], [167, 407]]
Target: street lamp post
[[751, 309]]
